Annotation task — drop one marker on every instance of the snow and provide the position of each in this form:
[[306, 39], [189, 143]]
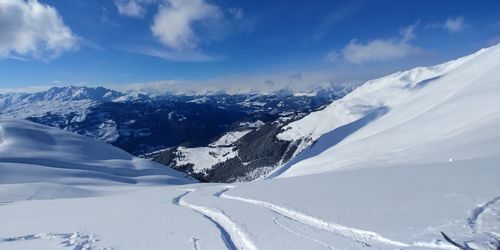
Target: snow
[[108, 131], [203, 158], [256, 124], [357, 209], [252, 104], [28, 108], [57, 100], [309, 94], [438, 112], [200, 100], [377, 177], [34, 153], [229, 138]]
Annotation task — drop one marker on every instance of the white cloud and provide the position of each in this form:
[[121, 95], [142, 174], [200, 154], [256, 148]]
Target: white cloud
[[173, 24], [380, 49], [32, 29], [333, 56], [297, 81], [171, 55], [132, 8], [28, 89], [454, 24]]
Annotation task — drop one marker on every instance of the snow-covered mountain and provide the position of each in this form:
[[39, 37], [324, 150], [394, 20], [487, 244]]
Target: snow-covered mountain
[[392, 165], [140, 124], [449, 112], [384, 116], [75, 93], [34, 153], [157, 123], [56, 100]]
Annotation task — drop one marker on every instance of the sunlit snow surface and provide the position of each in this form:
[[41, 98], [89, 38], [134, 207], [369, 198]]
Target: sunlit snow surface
[[425, 115], [34, 153], [395, 163]]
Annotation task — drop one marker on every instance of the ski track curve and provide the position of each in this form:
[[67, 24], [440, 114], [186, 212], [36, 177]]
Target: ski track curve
[[476, 213], [321, 243], [355, 234], [232, 235]]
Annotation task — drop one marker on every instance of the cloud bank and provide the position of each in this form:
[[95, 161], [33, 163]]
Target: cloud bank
[[378, 49], [29, 29]]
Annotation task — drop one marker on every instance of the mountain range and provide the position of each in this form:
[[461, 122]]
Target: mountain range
[[150, 125]]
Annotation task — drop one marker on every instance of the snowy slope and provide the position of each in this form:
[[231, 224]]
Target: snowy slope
[[385, 208], [33, 153], [204, 158], [425, 115]]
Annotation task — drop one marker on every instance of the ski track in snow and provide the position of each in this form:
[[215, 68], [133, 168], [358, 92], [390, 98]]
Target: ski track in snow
[[232, 235], [74, 241], [476, 213], [195, 243], [5, 203], [355, 234], [321, 243]]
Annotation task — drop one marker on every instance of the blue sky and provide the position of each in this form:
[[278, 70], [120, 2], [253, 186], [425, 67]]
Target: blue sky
[[238, 42]]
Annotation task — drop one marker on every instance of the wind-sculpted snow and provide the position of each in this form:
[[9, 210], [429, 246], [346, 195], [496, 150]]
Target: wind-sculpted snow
[[33, 153]]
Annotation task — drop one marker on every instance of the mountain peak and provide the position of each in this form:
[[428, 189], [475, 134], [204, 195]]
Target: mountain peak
[[75, 93]]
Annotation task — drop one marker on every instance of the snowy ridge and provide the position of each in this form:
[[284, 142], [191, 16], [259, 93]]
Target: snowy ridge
[[56, 100], [387, 118], [33, 153], [229, 138], [372, 94]]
